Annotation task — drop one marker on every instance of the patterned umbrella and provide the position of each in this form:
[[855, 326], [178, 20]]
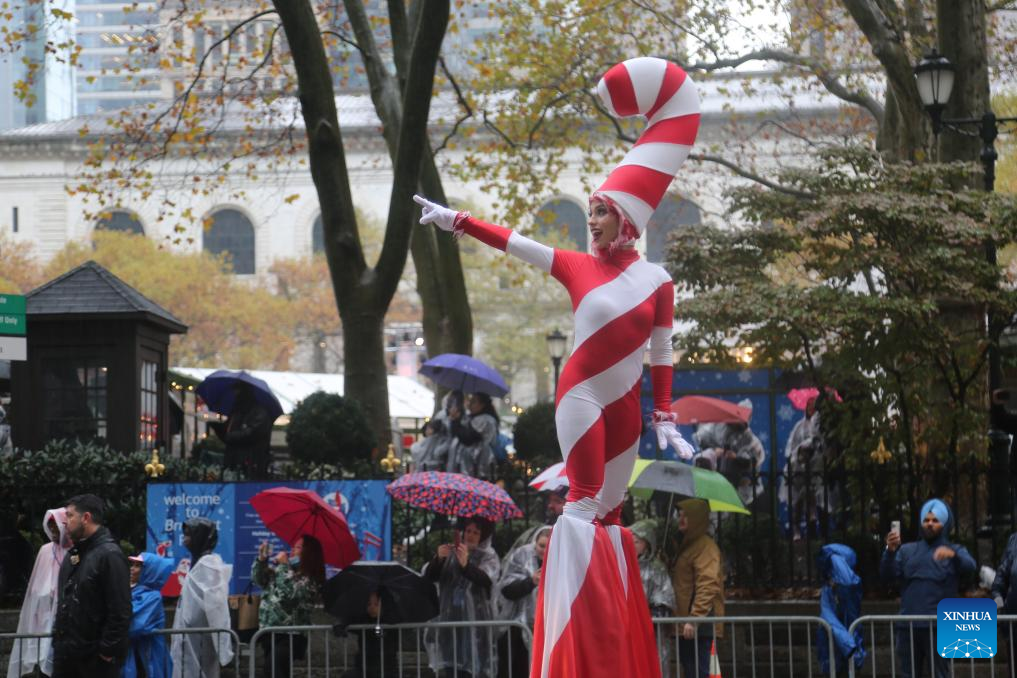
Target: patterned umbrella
[[687, 481], [454, 494]]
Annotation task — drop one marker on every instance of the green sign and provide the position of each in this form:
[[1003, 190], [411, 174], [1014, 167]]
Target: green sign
[[12, 323], [12, 303]]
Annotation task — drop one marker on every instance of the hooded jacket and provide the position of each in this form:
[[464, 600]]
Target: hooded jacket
[[1005, 584], [203, 603], [840, 603], [148, 615], [698, 575], [40, 605], [922, 580], [94, 609]]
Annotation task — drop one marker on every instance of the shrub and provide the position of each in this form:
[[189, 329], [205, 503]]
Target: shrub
[[329, 429], [535, 435]]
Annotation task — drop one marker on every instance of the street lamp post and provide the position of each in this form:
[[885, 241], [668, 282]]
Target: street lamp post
[[556, 348], [935, 77]]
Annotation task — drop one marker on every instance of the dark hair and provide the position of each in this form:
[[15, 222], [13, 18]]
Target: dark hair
[[488, 406], [485, 526], [88, 503], [312, 560]]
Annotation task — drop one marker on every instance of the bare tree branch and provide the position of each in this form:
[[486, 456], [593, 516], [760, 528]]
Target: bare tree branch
[[461, 98], [742, 172]]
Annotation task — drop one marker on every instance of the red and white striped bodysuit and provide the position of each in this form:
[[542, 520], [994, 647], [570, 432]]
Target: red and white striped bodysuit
[[592, 617]]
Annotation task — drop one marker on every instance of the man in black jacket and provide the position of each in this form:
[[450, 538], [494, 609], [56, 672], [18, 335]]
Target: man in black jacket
[[94, 607], [247, 433]]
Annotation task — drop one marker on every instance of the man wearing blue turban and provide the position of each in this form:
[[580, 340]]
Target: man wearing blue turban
[[925, 572]]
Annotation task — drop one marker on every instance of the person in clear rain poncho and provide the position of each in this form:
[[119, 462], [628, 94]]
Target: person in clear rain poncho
[[465, 573], [203, 603], [516, 596], [656, 584], [39, 608], [430, 453], [473, 437]]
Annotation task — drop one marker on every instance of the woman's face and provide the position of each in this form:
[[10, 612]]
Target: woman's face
[[471, 535], [474, 404], [540, 546], [604, 224], [298, 548], [640, 545]]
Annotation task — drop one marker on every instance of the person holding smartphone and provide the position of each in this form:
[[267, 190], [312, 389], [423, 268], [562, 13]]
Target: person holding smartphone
[[925, 572], [464, 571]]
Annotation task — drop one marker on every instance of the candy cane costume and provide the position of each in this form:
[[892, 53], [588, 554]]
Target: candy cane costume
[[592, 617]]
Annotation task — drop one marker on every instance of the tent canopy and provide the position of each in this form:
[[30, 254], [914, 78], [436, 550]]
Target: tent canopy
[[406, 398]]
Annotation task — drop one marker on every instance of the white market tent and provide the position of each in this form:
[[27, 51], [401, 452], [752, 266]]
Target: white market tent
[[406, 398]]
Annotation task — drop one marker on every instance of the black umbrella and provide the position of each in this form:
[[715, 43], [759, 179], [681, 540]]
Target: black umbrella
[[406, 596]]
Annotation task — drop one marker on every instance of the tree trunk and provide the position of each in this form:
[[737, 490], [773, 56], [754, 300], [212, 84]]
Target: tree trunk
[[962, 40], [364, 358]]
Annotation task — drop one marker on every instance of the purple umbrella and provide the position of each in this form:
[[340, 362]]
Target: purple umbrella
[[217, 392], [454, 494], [464, 373]]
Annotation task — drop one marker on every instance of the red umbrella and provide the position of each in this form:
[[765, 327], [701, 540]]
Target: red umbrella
[[705, 410], [291, 514]]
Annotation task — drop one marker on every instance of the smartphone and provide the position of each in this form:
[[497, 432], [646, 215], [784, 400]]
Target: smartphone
[[895, 526]]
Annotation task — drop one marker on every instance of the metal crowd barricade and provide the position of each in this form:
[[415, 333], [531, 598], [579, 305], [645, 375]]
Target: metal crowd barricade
[[326, 651], [752, 647], [20, 640], [895, 643], [22, 645]]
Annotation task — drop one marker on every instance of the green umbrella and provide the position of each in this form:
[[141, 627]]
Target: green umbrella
[[688, 481]]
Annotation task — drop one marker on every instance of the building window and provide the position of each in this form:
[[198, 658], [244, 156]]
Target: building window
[[672, 213], [232, 234], [149, 431], [75, 400], [317, 237], [126, 222], [565, 217]]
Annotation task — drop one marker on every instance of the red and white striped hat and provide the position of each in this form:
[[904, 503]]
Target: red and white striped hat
[[665, 94]]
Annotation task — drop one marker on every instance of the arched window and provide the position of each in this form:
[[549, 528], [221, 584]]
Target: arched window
[[672, 212], [231, 233], [563, 214], [317, 237], [120, 220]]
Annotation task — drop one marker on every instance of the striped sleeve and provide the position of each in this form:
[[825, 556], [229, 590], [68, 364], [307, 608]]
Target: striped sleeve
[[506, 240], [661, 358]]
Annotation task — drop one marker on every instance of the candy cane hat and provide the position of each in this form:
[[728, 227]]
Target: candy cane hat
[[665, 94]]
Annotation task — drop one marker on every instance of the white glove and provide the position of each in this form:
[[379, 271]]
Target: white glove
[[999, 602], [433, 213], [667, 434]]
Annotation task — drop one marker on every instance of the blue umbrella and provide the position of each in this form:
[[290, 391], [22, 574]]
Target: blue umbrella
[[464, 373], [217, 392]]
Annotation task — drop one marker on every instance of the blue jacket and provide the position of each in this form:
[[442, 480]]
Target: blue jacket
[[840, 604], [921, 579], [149, 616], [1005, 583]]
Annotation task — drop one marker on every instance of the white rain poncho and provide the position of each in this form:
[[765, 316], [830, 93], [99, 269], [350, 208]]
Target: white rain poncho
[[472, 650], [39, 608], [431, 453], [204, 603], [520, 564], [471, 451]]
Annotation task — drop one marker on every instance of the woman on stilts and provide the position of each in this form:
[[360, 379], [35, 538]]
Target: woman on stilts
[[592, 618]]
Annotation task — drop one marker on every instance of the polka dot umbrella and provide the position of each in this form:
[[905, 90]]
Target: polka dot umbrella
[[454, 494]]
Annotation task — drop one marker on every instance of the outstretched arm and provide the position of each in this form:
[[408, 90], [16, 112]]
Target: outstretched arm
[[499, 237]]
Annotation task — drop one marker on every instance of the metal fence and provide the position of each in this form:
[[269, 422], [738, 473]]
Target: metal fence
[[16, 645], [401, 649], [756, 647], [896, 644]]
